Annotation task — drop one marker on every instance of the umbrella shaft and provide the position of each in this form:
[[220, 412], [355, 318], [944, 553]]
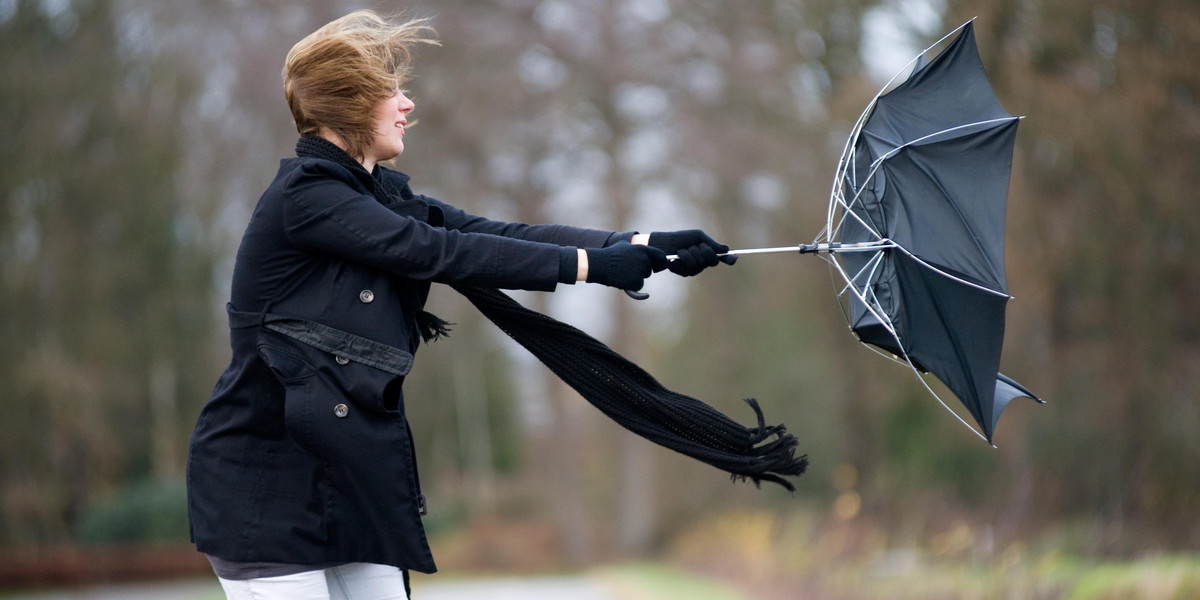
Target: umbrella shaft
[[828, 248]]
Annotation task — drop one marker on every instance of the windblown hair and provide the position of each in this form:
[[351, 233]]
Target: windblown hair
[[335, 77]]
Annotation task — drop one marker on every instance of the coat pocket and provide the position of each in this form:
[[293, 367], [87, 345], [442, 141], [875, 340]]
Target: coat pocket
[[294, 369], [332, 402], [288, 365]]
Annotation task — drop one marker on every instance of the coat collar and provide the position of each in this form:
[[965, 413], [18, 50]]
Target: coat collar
[[392, 183]]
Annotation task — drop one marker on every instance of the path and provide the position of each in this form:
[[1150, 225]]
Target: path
[[516, 588]]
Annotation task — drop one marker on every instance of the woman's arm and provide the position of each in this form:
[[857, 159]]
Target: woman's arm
[[562, 235], [321, 213]]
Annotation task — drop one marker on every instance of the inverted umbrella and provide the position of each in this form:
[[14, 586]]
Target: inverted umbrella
[[915, 227]]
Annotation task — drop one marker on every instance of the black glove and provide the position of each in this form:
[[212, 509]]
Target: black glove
[[624, 265], [695, 250]]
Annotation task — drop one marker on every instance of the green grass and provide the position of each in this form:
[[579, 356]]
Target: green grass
[[1166, 578]]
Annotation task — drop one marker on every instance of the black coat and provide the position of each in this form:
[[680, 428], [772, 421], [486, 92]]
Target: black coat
[[303, 453]]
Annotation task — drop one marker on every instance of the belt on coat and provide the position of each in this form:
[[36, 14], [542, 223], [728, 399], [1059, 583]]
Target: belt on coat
[[323, 337]]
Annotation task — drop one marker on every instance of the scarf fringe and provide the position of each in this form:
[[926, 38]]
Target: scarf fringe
[[431, 327]]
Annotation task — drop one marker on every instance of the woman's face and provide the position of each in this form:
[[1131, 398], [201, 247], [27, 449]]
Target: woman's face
[[391, 115]]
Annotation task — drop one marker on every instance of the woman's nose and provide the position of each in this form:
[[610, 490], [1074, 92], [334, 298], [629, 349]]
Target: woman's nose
[[406, 104]]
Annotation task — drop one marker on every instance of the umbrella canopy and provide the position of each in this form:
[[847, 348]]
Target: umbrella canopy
[[916, 226]]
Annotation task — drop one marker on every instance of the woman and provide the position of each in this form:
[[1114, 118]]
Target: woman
[[302, 481]]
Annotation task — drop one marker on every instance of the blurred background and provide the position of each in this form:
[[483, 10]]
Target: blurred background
[[138, 134]]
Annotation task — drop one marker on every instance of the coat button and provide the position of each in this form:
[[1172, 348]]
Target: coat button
[[341, 360], [367, 296], [340, 411]]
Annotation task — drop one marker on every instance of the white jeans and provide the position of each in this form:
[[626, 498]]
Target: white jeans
[[355, 581]]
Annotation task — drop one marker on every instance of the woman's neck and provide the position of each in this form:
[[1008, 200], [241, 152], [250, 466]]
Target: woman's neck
[[333, 138]]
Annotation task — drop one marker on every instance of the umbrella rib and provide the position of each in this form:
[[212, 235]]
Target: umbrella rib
[[872, 265], [897, 149], [878, 163], [845, 176], [943, 402], [910, 63], [848, 210], [839, 199], [873, 307], [951, 277], [957, 347], [847, 159], [849, 150], [966, 223]]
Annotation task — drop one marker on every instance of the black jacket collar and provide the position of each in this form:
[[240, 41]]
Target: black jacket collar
[[393, 184]]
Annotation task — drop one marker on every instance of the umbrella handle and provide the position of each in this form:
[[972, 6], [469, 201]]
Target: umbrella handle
[[636, 295], [802, 249]]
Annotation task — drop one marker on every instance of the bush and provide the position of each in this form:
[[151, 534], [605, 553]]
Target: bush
[[147, 511]]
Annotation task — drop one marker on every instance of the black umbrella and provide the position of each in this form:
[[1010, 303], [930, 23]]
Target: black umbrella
[[915, 227], [922, 187]]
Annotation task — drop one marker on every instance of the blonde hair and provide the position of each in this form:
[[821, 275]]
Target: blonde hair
[[334, 77]]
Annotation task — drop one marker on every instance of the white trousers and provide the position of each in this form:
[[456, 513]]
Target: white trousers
[[355, 581]]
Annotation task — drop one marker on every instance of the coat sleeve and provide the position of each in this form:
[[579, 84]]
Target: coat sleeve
[[321, 213], [562, 235]]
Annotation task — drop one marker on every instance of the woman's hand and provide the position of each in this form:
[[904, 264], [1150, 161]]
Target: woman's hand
[[694, 250], [621, 265]]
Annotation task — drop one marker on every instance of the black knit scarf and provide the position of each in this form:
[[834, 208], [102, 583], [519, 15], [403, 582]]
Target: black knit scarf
[[623, 391]]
